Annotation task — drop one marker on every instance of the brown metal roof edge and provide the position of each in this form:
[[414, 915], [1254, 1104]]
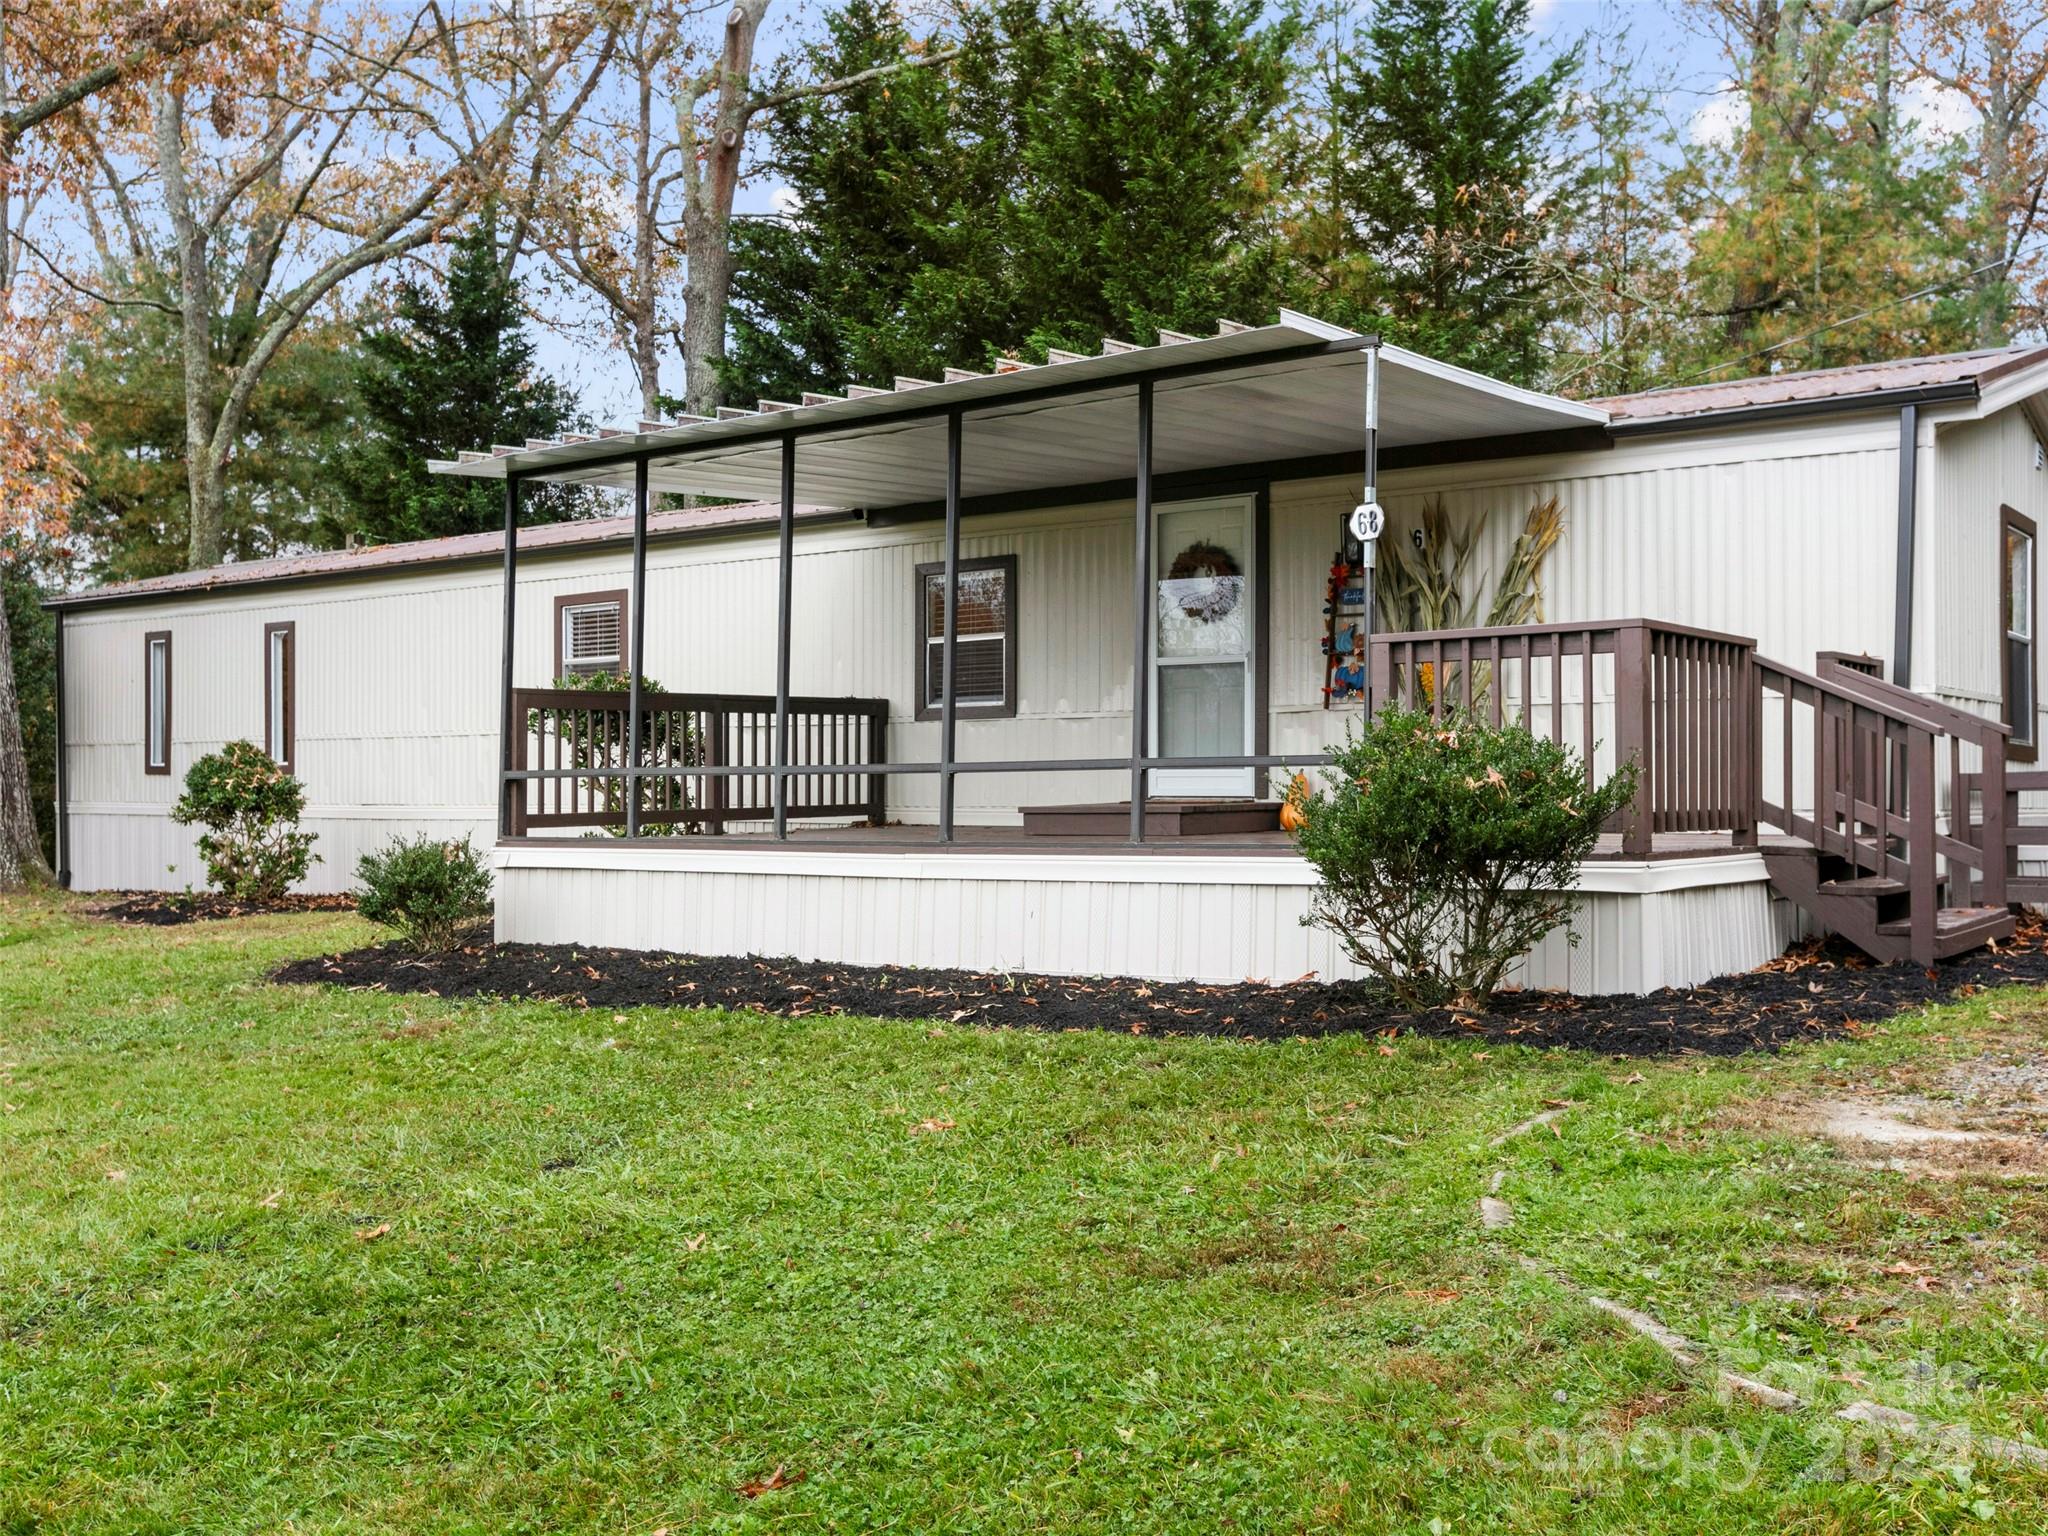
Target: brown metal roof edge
[[129, 593], [1784, 410]]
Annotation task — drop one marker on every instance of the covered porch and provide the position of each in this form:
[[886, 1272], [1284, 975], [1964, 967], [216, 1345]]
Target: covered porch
[[1180, 688], [921, 787]]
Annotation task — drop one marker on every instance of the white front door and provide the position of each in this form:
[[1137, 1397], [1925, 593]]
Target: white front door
[[1203, 634]]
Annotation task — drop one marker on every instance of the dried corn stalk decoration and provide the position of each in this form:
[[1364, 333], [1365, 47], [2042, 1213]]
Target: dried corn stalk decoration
[[1421, 585]]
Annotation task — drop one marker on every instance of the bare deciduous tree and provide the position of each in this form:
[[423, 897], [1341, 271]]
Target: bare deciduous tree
[[628, 235], [327, 149], [53, 61]]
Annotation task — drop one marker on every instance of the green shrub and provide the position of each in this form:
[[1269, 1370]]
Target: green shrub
[[432, 892], [250, 807], [1448, 851], [667, 741]]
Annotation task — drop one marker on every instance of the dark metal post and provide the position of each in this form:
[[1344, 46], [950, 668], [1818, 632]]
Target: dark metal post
[[1141, 627], [637, 655], [785, 559], [1902, 602], [63, 770], [948, 716], [1369, 548], [509, 789]]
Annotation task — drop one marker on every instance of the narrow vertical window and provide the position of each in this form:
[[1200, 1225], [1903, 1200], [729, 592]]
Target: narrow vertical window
[[2016, 584], [280, 694], [156, 702]]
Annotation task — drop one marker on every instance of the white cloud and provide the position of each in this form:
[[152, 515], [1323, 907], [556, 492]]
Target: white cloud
[[1942, 113], [1721, 118]]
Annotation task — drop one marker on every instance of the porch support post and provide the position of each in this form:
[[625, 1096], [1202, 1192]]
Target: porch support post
[[1141, 625], [949, 646], [510, 792], [637, 653], [1368, 549], [785, 559]]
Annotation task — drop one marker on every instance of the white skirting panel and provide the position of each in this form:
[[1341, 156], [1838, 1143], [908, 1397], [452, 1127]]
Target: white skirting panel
[[1168, 917], [139, 848]]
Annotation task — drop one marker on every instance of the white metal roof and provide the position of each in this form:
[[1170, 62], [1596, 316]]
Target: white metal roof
[[1295, 389]]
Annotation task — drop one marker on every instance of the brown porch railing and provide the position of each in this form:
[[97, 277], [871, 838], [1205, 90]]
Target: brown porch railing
[[578, 740], [1874, 757], [1679, 702], [1995, 817]]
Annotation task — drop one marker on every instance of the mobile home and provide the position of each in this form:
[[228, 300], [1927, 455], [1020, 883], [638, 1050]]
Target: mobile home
[[1012, 669]]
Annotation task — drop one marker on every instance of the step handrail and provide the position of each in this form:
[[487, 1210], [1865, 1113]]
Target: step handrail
[[1989, 840], [1939, 716], [1900, 705], [1909, 725]]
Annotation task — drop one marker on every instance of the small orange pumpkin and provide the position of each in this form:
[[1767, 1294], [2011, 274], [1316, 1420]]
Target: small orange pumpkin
[[1293, 809]]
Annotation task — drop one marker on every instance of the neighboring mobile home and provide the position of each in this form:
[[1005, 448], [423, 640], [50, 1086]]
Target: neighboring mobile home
[[1737, 560]]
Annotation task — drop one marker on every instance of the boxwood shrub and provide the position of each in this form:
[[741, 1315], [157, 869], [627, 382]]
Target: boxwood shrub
[[1449, 849]]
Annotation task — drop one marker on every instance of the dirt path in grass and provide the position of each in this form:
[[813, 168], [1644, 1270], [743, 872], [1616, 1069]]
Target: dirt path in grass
[[1984, 1117]]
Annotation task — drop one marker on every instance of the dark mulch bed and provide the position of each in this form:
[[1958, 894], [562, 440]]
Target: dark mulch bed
[[1815, 991], [166, 909]]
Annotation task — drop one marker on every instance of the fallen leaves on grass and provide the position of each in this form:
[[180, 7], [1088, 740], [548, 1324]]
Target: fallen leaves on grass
[[781, 1477]]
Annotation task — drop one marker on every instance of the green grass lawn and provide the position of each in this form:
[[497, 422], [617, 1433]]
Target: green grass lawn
[[291, 1259]]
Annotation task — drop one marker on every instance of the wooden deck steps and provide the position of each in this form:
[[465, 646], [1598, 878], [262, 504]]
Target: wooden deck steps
[[1875, 912], [1163, 819], [1958, 928]]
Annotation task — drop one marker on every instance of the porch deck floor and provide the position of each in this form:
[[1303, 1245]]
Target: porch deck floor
[[922, 839]]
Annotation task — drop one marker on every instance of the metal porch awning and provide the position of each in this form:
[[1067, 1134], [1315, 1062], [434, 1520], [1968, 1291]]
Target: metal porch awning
[[1291, 390]]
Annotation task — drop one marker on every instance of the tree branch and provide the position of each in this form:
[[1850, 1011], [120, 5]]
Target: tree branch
[[85, 291], [775, 100], [18, 122]]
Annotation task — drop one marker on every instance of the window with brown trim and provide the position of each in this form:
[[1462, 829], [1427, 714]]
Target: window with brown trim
[[280, 694], [590, 633], [156, 701], [2017, 669], [985, 654]]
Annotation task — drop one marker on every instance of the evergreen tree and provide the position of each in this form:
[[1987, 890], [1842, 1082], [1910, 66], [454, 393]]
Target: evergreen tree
[[1082, 172], [883, 205], [1139, 136], [132, 516], [453, 369], [1447, 173], [1820, 212], [1615, 261]]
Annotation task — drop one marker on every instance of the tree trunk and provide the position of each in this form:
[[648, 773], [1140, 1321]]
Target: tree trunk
[[195, 339], [1995, 246], [21, 854], [707, 213]]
